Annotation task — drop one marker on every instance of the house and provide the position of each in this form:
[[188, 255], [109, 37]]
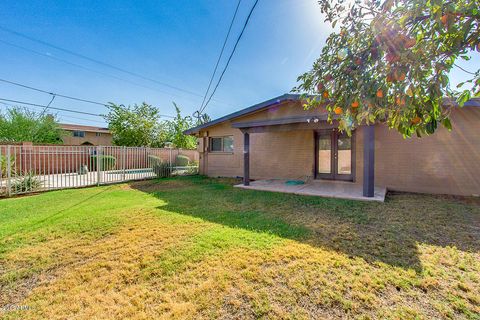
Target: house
[[77, 135], [278, 139]]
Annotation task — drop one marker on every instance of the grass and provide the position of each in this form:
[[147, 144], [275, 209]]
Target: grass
[[193, 247]]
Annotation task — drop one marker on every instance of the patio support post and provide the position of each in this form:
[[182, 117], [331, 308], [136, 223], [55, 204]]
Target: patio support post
[[246, 159], [368, 161]]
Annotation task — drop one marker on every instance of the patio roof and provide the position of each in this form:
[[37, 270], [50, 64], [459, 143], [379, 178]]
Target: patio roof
[[474, 102], [254, 108], [275, 122]]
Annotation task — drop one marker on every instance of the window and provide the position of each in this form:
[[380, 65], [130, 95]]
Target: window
[[79, 134], [98, 134], [221, 144]]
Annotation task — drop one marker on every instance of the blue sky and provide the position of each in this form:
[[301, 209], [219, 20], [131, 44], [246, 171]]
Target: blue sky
[[175, 42]]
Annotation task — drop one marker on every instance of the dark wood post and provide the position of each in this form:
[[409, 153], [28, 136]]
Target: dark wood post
[[369, 161], [246, 159]]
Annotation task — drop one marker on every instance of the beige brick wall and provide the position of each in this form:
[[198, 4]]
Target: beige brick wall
[[105, 139], [446, 162]]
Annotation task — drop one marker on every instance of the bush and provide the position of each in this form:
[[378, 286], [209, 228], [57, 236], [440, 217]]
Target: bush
[[106, 162], [182, 161], [3, 166], [153, 160], [162, 170], [26, 183]]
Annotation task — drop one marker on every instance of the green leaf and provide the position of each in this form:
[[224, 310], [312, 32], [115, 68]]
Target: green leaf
[[447, 124]]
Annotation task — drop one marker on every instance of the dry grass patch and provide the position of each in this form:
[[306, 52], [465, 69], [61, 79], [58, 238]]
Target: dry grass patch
[[196, 248]]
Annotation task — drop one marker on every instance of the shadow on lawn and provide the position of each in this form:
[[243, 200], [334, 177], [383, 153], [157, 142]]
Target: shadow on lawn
[[377, 232]]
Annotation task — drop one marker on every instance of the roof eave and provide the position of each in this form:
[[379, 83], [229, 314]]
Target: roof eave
[[254, 108], [474, 102]]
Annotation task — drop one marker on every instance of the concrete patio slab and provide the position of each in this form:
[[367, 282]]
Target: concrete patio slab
[[320, 188]]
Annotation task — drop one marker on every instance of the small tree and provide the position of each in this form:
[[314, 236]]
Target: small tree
[[133, 126], [173, 131], [203, 118], [19, 124], [391, 60]]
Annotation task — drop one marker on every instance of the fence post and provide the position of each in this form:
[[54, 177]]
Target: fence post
[[147, 162], [9, 172], [170, 160], [123, 162], [99, 171]]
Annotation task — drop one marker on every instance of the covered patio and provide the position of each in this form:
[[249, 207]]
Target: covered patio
[[321, 188], [329, 185]]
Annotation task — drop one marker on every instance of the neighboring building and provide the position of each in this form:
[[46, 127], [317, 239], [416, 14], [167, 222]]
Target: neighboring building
[[278, 139], [86, 135]]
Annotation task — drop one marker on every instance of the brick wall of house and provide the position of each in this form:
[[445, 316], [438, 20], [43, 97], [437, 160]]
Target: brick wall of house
[[446, 162], [104, 139]]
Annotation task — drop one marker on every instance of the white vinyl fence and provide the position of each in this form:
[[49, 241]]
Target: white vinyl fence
[[31, 168]]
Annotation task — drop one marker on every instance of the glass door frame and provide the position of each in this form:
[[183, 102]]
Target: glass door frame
[[334, 175]]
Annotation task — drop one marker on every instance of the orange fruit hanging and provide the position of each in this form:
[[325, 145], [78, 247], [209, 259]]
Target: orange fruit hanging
[[410, 43], [444, 19], [355, 104], [380, 93], [338, 110], [325, 94], [416, 120]]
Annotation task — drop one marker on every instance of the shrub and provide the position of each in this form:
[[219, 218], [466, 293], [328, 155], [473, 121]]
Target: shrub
[[162, 170], [106, 162], [26, 183], [153, 160], [3, 166], [192, 168], [182, 161]]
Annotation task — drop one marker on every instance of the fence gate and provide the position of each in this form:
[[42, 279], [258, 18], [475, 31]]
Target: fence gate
[[31, 168]]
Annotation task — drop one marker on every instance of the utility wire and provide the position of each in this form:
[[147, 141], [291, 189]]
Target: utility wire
[[52, 93], [78, 66], [48, 105], [54, 108], [230, 57], [89, 69], [97, 61], [59, 114], [221, 54], [64, 109]]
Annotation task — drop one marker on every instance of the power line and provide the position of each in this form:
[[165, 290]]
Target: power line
[[230, 57], [52, 93], [64, 109], [97, 61], [89, 69], [54, 108], [78, 66], [78, 118], [221, 53], [59, 114]]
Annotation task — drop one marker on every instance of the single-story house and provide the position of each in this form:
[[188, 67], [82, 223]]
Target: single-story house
[[278, 139], [76, 135]]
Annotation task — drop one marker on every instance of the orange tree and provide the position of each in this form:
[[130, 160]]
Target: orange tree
[[390, 62]]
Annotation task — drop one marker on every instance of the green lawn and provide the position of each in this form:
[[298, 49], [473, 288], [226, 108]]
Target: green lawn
[[194, 247]]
